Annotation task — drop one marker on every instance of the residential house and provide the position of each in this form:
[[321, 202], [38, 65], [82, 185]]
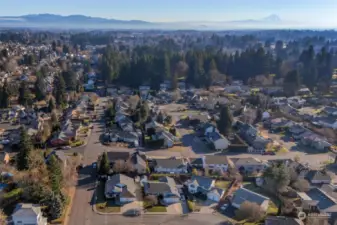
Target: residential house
[[69, 132], [280, 124], [326, 121], [315, 141], [332, 111], [206, 128], [174, 166], [25, 214], [136, 159], [282, 220], [249, 165], [318, 201], [196, 162], [121, 188], [168, 138], [316, 176], [166, 187], [218, 141], [205, 185], [4, 158], [296, 130], [242, 195], [217, 162]]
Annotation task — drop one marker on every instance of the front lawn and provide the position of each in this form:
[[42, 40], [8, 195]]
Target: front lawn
[[108, 207], [222, 184], [157, 209], [103, 205]]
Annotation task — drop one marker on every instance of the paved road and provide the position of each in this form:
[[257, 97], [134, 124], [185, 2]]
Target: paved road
[[195, 219]]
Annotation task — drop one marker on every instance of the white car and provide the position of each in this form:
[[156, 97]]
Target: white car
[[66, 147]]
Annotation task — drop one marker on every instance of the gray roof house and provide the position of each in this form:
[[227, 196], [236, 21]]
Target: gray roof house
[[324, 202], [166, 187], [176, 166], [120, 187], [28, 214], [217, 162], [204, 185], [242, 195], [316, 176], [137, 159]]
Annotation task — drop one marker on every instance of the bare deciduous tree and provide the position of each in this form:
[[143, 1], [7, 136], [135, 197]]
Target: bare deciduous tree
[[119, 166], [301, 185], [248, 211], [2, 217], [151, 200]]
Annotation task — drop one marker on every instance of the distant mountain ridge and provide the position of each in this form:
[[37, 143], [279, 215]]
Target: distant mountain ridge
[[52, 21], [52, 18]]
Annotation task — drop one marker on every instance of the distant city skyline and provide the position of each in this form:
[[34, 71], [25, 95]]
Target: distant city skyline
[[310, 11]]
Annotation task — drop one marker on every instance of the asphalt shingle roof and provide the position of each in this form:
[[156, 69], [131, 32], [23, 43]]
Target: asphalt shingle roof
[[217, 159], [243, 194], [170, 163]]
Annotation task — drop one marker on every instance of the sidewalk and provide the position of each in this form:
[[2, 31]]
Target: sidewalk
[[72, 191]]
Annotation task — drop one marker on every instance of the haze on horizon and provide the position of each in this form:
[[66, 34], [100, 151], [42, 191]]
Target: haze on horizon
[[315, 13]]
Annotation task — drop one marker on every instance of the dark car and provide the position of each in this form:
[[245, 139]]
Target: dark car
[[132, 213]]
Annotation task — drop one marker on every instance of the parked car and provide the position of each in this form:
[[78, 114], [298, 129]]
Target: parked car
[[66, 147], [132, 213]]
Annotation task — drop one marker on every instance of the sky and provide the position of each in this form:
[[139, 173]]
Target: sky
[[311, 11]]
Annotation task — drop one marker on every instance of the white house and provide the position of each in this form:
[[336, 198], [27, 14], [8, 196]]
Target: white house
[[219, 141], [205, 185], [121, 188], [26, 214], [217, 162], [173, 166]]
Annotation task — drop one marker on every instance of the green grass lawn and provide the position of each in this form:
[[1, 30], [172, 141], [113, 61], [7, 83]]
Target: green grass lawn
[[272, 209], [222, 184], [102, 205], [157, 209]]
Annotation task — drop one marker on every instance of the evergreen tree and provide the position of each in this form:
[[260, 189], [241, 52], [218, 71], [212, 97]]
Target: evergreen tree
[[39, 88], [56, 206], [174, 81], [160, 117], [25, 147], [51, 104], [104, 165], [23, 94], [226, 120], [144, 111], [5, 95], [60, 91], [55, 174], [292, 83], [167, 67], [70, 79]]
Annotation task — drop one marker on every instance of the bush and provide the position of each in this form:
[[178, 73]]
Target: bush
[[77, 143], [251, 212], [191, 205]]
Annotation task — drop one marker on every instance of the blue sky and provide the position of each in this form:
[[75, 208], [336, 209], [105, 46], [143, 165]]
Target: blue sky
[[313, 11]]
